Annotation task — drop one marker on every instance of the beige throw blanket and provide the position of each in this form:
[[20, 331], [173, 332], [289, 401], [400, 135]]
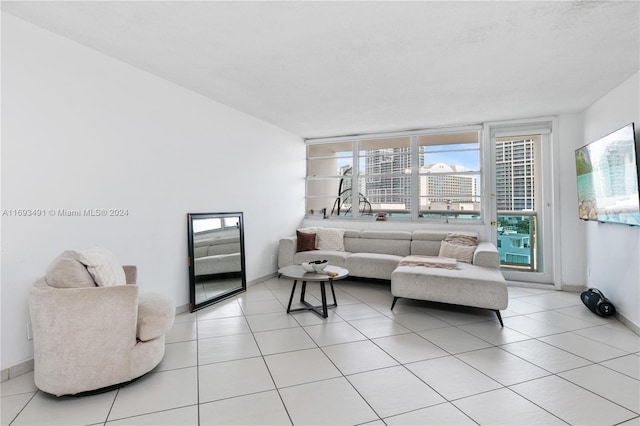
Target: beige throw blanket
[[430, 262]]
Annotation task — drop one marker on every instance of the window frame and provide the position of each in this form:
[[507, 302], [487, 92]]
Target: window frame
[[415, 173]]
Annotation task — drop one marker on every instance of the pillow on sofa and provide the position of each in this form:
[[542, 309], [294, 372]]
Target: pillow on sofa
[[306, 241], [462, 239], [66, 271], [103, 267], [331, 239], [459, 252]]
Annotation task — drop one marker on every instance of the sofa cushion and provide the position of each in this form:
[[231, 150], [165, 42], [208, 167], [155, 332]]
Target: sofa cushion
[[103, 267], [352, 233], [305, 241], [227, 248], [218, 264], [372, 265], [155, 316], [429, 235], [330, 239], [200, 251], [396, 243], [66, 271], [462, 239], [462, 253]]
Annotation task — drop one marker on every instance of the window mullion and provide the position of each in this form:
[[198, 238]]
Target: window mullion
[[388, 172], [415, 178], [355, 173]]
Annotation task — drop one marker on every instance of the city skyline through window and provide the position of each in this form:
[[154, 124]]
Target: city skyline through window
[[434, 175]]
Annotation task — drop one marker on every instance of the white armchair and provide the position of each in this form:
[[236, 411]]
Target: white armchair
[[87, 337]]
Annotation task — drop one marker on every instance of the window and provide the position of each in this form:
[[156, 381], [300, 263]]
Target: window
[[329, 171], [449, 183], [382, 175], [515, 173], [408, 176]]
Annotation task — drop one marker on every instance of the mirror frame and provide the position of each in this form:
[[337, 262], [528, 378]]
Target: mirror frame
[[193, 306]]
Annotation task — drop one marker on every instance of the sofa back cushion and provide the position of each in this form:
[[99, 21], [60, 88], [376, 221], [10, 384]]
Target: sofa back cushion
[[349, 236], [200, 251], [216, 246], [384, 242], [426, 243], [229, 247], [66, 271]]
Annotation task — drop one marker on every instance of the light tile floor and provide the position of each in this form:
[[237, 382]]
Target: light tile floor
[[245, 361]]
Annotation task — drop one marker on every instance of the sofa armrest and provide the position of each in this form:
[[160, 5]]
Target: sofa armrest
[[286, 250], [156, 314], [486, 255], [130, 273]]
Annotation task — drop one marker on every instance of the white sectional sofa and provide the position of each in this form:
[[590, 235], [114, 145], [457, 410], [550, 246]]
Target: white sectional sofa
[[383, 254], [367, 254], [217, 256]]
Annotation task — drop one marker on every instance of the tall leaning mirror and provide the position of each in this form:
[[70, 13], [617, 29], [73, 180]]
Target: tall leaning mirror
[[216, 257]]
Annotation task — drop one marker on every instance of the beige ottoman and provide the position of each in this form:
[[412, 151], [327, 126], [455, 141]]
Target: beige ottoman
[[468, 285]]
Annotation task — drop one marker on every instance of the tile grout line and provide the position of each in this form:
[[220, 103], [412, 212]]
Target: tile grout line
[[378, 308]]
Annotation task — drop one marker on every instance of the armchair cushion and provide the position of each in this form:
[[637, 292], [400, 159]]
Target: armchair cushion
[[66, 271], [155, 316], [103, 267]]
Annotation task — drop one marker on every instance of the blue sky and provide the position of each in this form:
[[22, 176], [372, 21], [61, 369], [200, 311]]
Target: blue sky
[[469, 159]]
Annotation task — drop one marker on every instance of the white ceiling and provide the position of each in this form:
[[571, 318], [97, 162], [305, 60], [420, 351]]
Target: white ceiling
[[333, 68]]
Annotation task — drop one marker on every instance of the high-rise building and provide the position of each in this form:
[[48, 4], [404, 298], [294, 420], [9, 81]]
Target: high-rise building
[[515, 174], [388, 190], [442, 190]]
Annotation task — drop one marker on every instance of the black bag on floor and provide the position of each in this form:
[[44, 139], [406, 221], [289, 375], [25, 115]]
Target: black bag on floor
[[597, 303]]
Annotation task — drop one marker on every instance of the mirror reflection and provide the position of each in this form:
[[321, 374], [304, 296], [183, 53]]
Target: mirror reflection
[[216, 257]]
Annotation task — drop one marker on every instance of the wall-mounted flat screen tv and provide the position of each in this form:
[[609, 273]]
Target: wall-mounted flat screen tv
[[608, 171]]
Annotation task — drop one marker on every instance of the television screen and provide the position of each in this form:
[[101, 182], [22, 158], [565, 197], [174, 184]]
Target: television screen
[[608, 170]]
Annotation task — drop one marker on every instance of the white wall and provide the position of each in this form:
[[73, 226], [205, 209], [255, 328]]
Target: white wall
[[572, 240], [612, 252], [81, 130]]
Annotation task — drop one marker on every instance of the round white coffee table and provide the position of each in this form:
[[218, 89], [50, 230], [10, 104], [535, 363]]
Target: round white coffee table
[[296, 273]]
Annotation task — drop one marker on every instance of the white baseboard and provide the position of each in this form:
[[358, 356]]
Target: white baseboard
[[262, 279], [628, 323], [17, 370]]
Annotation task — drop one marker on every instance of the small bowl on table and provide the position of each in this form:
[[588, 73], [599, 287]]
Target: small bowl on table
[[316, 266], [308, 267], [319, 268]]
